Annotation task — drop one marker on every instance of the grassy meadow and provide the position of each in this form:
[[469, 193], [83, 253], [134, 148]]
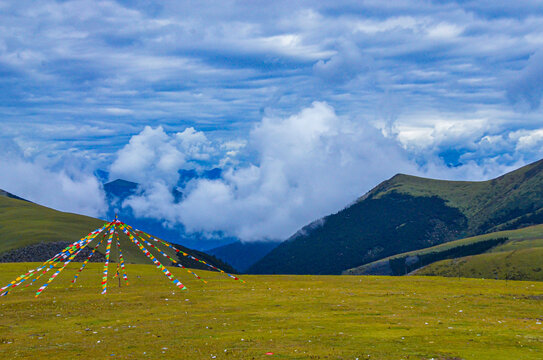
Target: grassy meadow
[[24, 223], [518, 258], [293, 317]]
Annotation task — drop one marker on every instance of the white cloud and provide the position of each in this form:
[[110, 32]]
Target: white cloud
[[444, 31], [311, 164], [308, 165], [471, 170], [528, 143], [33, 180], [153, 154], [420, 132], [530, 140], [118, 111], [194, 144]]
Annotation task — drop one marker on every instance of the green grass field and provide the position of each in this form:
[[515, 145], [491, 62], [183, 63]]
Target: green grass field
[[514, 265], [23, 223], [518, 258], [293, 317]]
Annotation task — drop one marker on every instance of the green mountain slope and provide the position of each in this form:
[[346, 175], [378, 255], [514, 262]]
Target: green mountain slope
[[529, 238], [522, 264], [519, 258], [23, 223], [407, 213]]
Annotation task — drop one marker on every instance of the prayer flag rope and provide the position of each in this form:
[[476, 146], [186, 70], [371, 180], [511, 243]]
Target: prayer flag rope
[[166, 255], [69, 253], [54, 260], [64, 256], [152, 258], [121, 260], [34, 271], [189, 255], [57, 261], [88, 240], [87, 260], [106, 264]]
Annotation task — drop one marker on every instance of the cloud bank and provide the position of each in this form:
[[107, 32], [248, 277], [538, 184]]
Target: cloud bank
[[153, 154], [146, 89], [303, 167], [105, 70], [36, 180], [306, 165]]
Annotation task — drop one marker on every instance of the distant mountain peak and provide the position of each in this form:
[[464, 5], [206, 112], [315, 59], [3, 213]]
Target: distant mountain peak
[[411, 213], [122, 182]]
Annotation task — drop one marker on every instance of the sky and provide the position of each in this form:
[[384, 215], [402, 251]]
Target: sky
[[304, 105]]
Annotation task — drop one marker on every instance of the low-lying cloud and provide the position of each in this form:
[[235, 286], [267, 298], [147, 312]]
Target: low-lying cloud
[[302, 167], [307, 165], [152, 154], [37, 181]]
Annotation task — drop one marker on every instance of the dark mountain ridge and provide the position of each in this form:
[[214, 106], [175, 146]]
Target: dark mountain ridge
[[407, 213], [241, 255]]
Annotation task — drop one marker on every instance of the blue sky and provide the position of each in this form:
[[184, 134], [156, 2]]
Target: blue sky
[[448, 89]]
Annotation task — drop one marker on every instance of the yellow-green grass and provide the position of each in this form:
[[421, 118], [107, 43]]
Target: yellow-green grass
[[24, 223], [294, 317], [522, 236], [525, 238], [524, 263]]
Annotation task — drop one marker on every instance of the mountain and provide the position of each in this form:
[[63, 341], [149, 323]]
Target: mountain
[[458, 258], [119, 190], [28, 229], [10, 195], [23, 223], [241, 255], [519, 258], [407, 213]]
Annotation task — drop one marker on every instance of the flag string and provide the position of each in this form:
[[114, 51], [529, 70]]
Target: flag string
[[106, 264], [189, 255], [176, 263], [62, 259], [54, 260], [74, 254], [161, 267]]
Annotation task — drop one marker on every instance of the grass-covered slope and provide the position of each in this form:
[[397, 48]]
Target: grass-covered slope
[[293, 317], [523, 264], [23, 223], [367, 230], [511, 201], [529, 238], [407, 213], [519, 258]]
